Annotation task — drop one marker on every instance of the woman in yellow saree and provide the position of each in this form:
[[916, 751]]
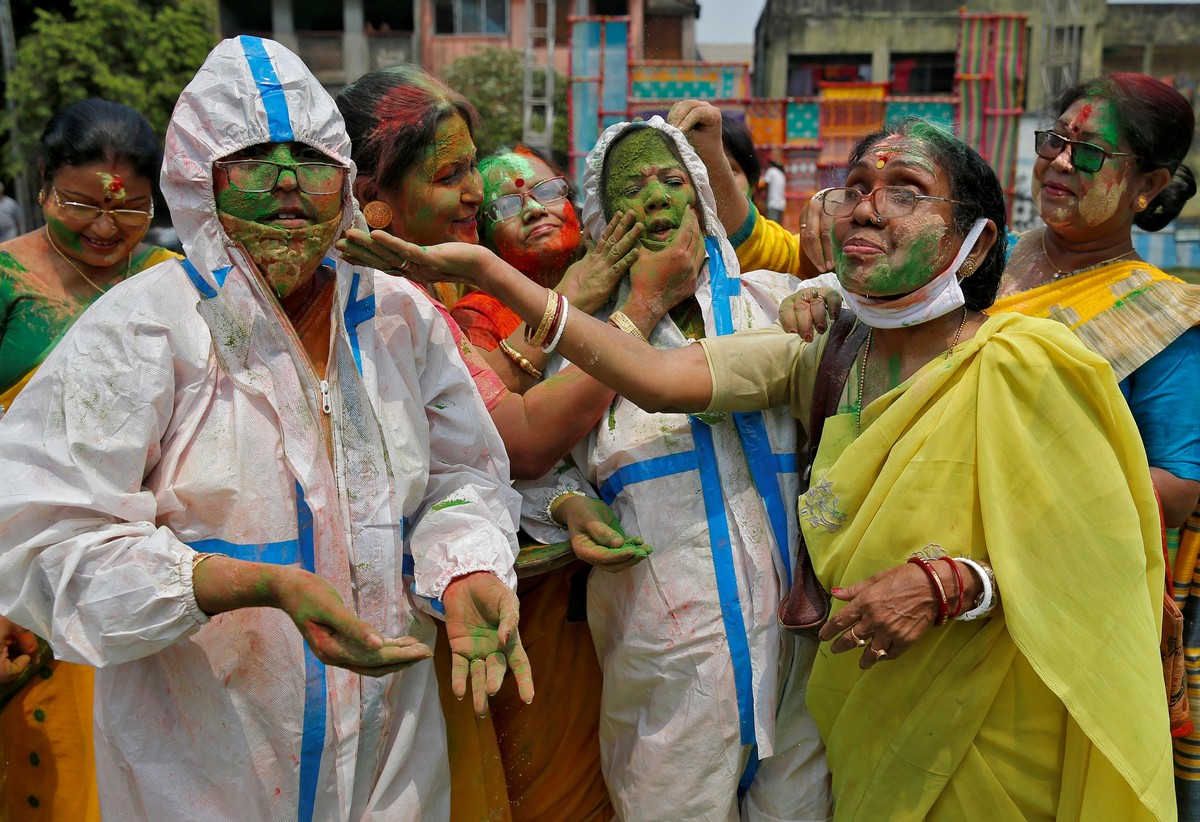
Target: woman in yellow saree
[[98, 164], [980, 508]]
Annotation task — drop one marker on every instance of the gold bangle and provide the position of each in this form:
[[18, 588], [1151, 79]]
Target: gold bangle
[[621, 321], [516, 356], [543, 330]]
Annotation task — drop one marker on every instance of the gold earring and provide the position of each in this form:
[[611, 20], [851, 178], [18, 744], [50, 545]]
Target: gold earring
[[968, 268], [378, 214], [1142, 202], [42, 197]]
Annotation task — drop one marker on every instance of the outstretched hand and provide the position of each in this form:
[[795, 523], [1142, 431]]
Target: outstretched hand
[[336, 635], [481, 622], [589, 281], [447, 262], [597, 536]]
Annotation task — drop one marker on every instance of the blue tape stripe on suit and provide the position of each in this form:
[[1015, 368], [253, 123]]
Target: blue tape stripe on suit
[[313, 739], [279, 123]]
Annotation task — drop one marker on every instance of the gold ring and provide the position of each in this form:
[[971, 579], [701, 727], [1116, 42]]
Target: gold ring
[[880, 653], [815, 294], [855, 638]]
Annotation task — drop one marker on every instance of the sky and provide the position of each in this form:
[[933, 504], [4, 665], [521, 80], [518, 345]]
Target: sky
[[732, 21]]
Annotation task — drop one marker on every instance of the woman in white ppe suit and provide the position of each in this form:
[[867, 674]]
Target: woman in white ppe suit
[[194, 471], [703, 714]]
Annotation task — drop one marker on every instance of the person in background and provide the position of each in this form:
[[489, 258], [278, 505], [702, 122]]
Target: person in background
[[1113, 159], [12, 223], [245, 484], [776, 182], [741, 154], [99, 162]]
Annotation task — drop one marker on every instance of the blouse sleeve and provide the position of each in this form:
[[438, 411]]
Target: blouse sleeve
[[1164, 395], [759, 369]]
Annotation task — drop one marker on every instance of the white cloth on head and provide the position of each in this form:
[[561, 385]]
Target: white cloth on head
[[180, 414], [675, 737]]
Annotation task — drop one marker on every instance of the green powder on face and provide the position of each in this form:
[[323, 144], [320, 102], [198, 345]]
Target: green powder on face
[[659, 200]]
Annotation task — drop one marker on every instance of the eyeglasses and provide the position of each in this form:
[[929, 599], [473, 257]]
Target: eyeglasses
[[510, 205], [85, 213], [1087, 157], [261, 176], [889, 201]]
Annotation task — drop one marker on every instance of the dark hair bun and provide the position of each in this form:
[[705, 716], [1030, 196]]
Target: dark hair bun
[[1166, 206]]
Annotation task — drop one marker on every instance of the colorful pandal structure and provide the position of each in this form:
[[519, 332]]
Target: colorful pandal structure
[[813, 134]]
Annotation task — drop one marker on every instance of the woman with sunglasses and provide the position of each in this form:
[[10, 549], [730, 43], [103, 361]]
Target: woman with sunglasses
[[1113, 160], [98, 163]]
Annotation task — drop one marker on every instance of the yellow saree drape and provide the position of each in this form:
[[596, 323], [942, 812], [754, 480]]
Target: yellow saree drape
[[1017, 449]]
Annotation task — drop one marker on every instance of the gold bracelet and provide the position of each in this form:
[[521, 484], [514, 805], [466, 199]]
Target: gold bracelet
[[621, 321], [538, 338], [515, 356]]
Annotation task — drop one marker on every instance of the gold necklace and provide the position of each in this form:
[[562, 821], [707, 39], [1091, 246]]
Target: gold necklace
[[862, 369], [78, 270], [1058, 275]]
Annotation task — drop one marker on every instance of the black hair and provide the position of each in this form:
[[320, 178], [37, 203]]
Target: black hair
[[740, 145], [972, 182], [93, 130], [1158, 123], [392, 116]]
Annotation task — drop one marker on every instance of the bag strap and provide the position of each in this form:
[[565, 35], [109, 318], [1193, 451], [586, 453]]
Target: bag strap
[[845, 339]]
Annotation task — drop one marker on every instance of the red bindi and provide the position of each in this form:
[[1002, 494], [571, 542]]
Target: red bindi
[[519, 182]]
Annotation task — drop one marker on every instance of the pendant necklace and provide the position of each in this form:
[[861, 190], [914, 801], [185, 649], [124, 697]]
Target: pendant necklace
[[862, 369], [78, 270], [1058, 274]]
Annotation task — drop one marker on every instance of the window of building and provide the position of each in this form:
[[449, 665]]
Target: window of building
[[470, 16], [807, 71], [922, 72]]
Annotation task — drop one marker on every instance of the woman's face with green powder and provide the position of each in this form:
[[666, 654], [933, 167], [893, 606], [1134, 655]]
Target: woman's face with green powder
[[891, 256], [645, 177]]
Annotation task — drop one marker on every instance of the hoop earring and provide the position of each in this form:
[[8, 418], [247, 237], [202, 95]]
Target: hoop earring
[[378, 214]]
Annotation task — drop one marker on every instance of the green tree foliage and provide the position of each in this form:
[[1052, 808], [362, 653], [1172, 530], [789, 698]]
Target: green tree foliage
[[494, 81], [138, 53]]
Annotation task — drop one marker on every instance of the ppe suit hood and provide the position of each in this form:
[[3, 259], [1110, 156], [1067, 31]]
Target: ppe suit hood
[[249, 91], [593, 211]]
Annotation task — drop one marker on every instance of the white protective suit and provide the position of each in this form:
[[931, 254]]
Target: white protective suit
[[179, 415], [699, 680]]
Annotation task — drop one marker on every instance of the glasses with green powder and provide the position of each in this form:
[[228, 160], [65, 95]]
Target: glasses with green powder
[[261, 176], [510, 205], [889, 201], [1086, 157], [85, 212]]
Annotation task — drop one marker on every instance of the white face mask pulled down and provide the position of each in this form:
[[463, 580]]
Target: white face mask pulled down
[[936, 298]]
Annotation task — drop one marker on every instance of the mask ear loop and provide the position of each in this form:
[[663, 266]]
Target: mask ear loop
[[968, 245]]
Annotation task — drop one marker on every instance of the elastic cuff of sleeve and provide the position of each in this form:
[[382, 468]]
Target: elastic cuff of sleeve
[[183, 567], [746, 229], [446, 577]]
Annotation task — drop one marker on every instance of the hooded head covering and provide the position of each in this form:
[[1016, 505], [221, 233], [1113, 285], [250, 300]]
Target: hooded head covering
[[249, 91], [715, 239]]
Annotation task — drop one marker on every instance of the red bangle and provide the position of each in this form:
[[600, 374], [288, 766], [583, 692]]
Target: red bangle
[[939, 591], [958, 605]]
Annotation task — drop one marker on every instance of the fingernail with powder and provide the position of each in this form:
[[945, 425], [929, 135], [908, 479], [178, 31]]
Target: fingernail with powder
[[836, 590]]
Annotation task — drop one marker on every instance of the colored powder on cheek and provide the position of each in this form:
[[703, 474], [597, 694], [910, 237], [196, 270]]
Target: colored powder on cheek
[[1101, 200], [917, 266]]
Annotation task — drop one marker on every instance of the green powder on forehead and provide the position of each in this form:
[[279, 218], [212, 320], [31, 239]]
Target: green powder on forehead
[[504, 168]]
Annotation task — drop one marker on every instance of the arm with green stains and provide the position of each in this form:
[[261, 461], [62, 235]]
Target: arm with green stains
[[655, 379]]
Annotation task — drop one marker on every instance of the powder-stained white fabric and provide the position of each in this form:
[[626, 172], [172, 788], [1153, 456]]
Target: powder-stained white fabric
[[180, 412], [670, 741]]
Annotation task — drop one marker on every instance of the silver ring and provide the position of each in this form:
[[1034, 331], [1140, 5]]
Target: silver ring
[[403, 264], [880, 653]]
